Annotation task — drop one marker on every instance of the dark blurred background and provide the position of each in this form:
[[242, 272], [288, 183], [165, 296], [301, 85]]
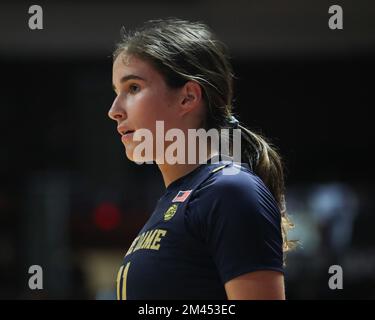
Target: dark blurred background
[[71, 202]]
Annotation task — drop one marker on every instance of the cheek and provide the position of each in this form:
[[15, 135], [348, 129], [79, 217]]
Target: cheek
[[146, 117], [151, 108], [139, 110]]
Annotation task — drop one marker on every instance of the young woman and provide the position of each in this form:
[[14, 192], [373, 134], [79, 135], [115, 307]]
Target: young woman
[[212, 235]]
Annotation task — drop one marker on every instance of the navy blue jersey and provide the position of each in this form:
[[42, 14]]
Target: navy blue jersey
[[208, 228]]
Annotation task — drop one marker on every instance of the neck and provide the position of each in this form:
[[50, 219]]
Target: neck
[[172, 172]]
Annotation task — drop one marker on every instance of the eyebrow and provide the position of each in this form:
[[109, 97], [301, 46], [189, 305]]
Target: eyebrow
[[127, 78]]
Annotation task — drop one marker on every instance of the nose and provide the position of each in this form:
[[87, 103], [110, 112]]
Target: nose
[[116, 112]]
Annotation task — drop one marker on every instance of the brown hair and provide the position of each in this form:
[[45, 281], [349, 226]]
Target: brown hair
[[181, 51]]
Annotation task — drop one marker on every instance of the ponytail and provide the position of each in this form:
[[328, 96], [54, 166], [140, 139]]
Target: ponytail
[[266, 163]]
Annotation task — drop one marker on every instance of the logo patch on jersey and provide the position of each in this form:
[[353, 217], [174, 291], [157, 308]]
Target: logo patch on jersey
[[168, 215], [182, 196]]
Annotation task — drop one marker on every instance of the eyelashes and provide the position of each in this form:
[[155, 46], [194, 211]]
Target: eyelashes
[[134, 88], [131, 89]]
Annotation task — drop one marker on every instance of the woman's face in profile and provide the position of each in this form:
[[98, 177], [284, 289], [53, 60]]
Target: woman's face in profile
[[142, 98]]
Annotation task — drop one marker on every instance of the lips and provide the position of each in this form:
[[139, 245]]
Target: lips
[[127, 136], [122, 129]]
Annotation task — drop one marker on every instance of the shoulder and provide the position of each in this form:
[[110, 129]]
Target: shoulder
[[234, 185], [227, 209]]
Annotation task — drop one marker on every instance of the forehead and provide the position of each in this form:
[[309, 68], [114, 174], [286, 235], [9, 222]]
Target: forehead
[[126, 64]]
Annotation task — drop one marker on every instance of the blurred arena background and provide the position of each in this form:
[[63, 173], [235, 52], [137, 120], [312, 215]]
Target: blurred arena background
[[71, 202]]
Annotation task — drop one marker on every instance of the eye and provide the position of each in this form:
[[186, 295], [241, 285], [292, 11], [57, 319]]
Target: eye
[[133, 88]]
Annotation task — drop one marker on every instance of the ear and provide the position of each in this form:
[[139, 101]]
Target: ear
[[191, 97]]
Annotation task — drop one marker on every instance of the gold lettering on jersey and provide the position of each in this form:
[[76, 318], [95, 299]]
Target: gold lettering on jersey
[[130, 250], [147, 240], [140, 241], [119, 276], [124, 281], [155, 245]]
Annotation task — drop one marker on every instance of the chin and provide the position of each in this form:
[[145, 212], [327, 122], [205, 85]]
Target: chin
[[134, 158], [129, 155]]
